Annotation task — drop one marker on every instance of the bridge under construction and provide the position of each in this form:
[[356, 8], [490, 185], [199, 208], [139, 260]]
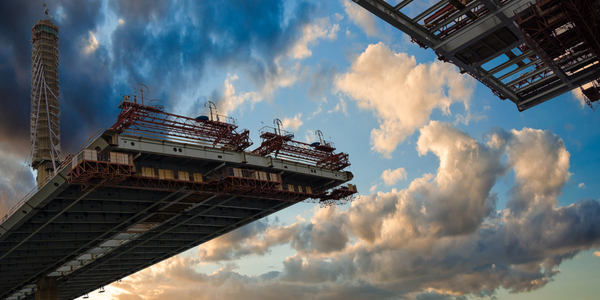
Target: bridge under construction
[[151, 186], [527, 51]]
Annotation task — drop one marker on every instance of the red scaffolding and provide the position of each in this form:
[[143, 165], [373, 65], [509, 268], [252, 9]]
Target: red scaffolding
[[280, 142], [93, 173], [145, 118]]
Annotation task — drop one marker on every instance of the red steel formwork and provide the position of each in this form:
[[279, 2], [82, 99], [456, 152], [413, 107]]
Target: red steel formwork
[[95, 174], [144, 118], [281, 143]]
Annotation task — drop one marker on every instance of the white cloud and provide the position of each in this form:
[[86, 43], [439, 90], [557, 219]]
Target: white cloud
[[311, 33], [581, 185], [401, 93], [541, 165], [91, 43], [292, 123], [468, 117], [578, 95], [361, 17], [340, 106], [230, 100], [391, 177], [373, 188]]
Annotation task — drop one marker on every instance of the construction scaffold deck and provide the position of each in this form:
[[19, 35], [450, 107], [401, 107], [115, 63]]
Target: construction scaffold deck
[[153, 120], [93, 170]]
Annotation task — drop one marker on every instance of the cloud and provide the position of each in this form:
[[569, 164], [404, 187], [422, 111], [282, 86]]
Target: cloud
[[579, 97], [391, 177], [581, 185], [361, 17], [292, 123], [92, 44], [340, 106], [401, 93], [541, 165], [255, 239], [311, 32], [597, 253], [16, 178], [230, 101], [440, 238]]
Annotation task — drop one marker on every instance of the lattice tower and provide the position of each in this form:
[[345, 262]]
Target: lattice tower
[[45, 112]]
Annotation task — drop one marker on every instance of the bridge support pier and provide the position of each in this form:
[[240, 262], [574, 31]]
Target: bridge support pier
[[47, 289]]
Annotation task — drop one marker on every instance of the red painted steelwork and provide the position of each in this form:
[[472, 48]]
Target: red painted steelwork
[[152, 120], [95, 174], [283, 144]]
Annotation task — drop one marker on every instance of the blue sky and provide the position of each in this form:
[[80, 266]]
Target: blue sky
[[462, 195]]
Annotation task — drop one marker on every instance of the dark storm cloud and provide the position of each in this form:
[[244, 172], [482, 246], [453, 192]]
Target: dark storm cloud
[[168, 47], [163, 44], [84, 79]]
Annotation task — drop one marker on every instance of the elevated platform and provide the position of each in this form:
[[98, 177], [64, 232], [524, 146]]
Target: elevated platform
[[128, 201], [527, 51]]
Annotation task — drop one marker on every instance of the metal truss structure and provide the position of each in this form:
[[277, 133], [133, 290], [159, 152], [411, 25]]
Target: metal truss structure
[[153, 120], [126, 202], [527, 51], [94, 174], [45, 112], [281, 143]]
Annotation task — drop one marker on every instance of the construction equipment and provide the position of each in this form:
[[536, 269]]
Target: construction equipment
[[281, 143]]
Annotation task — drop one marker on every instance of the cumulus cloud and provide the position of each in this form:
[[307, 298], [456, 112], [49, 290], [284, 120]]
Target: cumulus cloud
[[581, 185], [541, 165], [292, 123], [91, 44], [361, 17], [401, 93], [391, 177], [255, 239], [579, 97], [440, 238], [231, 100], [318, 29]]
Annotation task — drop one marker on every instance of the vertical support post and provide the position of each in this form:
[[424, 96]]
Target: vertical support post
[[47, 289]]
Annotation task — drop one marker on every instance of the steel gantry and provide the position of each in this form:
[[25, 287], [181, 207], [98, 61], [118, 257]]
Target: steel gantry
[[281, 143], [504, 44]]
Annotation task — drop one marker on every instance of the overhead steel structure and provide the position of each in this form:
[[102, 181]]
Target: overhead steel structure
[[132, 198], [281, 143], [526, 51]]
